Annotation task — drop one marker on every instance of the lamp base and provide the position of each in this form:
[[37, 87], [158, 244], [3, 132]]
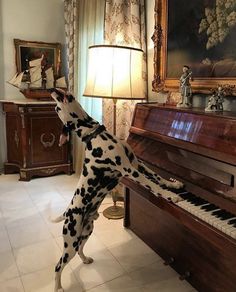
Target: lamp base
[[114, 212]]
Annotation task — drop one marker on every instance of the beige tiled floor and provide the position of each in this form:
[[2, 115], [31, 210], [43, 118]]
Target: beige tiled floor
[[30, 245]]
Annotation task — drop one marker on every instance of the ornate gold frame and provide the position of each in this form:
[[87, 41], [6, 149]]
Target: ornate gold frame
[[160, 81], [41, 46]]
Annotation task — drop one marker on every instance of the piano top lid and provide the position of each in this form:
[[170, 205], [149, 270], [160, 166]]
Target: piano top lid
[[209, 134]]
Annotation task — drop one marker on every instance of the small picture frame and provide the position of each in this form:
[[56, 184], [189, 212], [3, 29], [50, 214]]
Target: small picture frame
[[27, 51]]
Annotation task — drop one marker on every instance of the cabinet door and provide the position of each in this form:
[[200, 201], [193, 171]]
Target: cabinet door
[[13, 138], [45, 130]]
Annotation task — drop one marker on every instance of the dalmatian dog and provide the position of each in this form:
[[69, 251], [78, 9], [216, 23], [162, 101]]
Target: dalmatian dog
[[107, 159]]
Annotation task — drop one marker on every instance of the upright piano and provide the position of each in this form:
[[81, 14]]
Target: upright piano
[[197, 234]]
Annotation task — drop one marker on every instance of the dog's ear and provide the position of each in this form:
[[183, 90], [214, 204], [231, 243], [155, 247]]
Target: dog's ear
[[57, 94], [70, 97]]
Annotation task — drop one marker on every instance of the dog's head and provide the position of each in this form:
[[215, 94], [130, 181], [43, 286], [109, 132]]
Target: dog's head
[[69, 110], [61, 96]]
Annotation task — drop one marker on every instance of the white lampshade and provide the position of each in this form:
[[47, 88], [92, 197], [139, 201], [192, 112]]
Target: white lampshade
[[115, 72]]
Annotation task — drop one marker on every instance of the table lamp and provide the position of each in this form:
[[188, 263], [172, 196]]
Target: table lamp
[[115, 72]]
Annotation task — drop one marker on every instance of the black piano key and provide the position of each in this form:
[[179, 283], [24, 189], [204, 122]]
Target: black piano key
[[185, 195], [218, 213], [177, 191], [210, 207], [227, 216], [200, 202], [232, 221]]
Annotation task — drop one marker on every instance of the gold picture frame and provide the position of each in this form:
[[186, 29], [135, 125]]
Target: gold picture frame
[[29, 50], [177, 25]]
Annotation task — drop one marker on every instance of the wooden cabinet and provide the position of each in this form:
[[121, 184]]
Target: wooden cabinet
[[32, 131]]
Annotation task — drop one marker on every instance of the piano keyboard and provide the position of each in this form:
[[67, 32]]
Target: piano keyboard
[[210, 213]]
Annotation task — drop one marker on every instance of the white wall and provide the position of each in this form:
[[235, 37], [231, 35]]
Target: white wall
[[32, 20]]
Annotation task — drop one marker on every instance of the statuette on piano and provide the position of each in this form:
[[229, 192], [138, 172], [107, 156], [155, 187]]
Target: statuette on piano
[[215, 103], [185, 88]]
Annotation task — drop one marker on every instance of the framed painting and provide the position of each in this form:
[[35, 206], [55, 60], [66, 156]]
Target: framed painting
[[200, 34], [27, 51]]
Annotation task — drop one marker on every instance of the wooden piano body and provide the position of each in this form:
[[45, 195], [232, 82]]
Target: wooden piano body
[[198, 149]]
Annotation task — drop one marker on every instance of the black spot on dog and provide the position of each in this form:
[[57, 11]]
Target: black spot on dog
[[105, 161], [110, 137], [86, 160], [70, 98], [79, 132], [89, 146], [111, 147], [73, 115], [90, 189], [118, 160], [85, 171], [135, 174], [57, 109], [97, 152], [103, 137], [65, 259]]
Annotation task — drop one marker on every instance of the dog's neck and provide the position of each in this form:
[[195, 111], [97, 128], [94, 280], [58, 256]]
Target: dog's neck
[[76, 119]]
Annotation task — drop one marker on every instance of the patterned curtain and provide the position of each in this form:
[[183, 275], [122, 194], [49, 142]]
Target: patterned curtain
[[71, 27], [124, 25]]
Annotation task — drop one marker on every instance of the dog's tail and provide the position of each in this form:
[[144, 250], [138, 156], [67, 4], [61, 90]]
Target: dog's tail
[[57, 219]]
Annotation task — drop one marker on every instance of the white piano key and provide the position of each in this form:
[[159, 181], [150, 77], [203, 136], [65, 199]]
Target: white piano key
[[229, 230], [233, 233], [208, 217], [226, 224]]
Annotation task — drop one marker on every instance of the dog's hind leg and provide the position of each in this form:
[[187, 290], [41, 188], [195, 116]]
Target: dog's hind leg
[[87, 231], [84, 258], [66, 257]]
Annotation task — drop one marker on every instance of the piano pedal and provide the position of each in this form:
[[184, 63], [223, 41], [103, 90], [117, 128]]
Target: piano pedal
[[185, 276], [169, 261]]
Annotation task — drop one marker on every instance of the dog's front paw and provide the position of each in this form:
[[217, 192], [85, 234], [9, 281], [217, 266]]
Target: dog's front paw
[[178, 185], [88, 261], [60, 290]]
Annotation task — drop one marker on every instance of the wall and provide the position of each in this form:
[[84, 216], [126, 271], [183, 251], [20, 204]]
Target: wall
[[35, 20], [27, 20], [198, 100]]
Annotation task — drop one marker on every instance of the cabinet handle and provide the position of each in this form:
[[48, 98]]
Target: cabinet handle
[[16, 138], [47, 144]]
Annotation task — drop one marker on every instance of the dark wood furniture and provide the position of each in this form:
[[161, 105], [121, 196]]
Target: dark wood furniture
[[32, 131], [200, 150]]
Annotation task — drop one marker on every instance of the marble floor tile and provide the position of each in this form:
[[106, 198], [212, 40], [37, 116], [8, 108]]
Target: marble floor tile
[[44, 281], [4, 240], [8, 268], [34, 257], [121, 284], [13, 285], [133, 254], [104, 268], [27, 234]]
